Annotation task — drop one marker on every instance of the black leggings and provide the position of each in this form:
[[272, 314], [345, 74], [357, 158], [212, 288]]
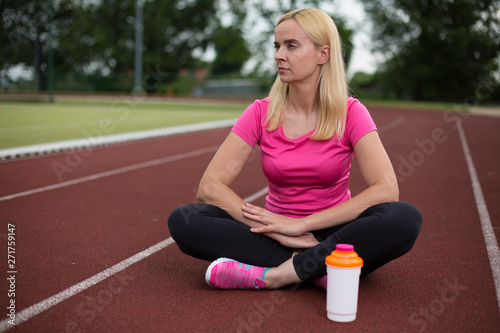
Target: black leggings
[[380, 234]]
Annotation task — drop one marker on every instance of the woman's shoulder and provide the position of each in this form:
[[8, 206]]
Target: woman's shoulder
[[259, 107], [249, 124], [262, 104], [353, 102], [358, 121], [355, 107]]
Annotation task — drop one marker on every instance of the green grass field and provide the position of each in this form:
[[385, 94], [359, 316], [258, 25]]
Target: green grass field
[[24, 124]]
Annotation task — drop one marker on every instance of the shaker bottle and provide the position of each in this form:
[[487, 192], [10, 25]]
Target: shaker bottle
[[343, 268]]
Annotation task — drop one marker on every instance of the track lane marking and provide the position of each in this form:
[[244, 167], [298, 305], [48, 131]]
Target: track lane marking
[[486, 226], [257, 195], [46, 304], [113, 172], [392, 124]]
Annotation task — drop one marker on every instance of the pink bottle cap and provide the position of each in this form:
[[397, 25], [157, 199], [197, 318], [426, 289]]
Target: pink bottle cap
[[345, 247]]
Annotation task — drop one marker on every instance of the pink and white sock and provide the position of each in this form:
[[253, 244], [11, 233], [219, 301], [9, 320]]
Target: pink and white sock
[[225, 273]]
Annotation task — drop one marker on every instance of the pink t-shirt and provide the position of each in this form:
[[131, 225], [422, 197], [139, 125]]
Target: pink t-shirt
[[305, 176]]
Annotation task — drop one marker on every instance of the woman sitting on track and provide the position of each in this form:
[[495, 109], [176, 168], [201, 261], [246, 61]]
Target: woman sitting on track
[[308, 130]]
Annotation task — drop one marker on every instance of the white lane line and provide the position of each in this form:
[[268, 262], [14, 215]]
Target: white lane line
[[46, 304], [392, 124], [488, 232], [257, 195], [113, 172]]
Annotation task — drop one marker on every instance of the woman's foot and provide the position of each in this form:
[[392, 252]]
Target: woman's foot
[[225, 273], [321, 281]]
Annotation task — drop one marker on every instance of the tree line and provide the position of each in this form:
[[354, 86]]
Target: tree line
[[437, 49], [432, 49]]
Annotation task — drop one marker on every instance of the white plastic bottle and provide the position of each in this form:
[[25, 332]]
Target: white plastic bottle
[[343, 270]]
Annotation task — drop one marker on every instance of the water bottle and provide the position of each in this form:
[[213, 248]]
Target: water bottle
[[343, 267]]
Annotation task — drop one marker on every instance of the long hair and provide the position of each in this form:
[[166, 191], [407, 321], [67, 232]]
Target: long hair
[[332, 83]]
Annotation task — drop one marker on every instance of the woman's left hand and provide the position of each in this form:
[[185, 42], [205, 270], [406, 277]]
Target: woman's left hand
[[273, 222]]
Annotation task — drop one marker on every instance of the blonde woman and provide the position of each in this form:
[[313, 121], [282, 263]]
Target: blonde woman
[[308, 130]]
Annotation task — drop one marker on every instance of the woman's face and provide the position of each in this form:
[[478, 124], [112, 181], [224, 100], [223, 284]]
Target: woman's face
[[297, 59]]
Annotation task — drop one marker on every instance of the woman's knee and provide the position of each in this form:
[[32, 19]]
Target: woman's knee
[[400, 227], [190, 220], [179, 220], [405, 223], [411, 217]]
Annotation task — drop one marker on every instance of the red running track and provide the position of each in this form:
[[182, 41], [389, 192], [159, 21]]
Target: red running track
[[77, 245]]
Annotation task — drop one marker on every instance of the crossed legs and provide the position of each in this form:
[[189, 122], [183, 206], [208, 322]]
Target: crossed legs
[[380, 234]]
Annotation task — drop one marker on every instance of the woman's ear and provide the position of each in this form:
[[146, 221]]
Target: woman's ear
[[324, 54]]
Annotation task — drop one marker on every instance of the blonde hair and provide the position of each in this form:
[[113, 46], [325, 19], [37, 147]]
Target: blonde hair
[[332, 83]]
